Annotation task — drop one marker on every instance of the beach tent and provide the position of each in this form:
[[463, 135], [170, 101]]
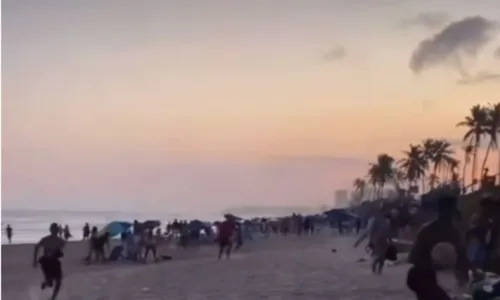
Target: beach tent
[[339, 215], [197, 225], [115, 228]]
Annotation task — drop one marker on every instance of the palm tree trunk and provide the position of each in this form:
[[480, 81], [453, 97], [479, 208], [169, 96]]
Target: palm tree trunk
[[465, 169], [486, 157], [498, 166], [433, 175], [474, 161]]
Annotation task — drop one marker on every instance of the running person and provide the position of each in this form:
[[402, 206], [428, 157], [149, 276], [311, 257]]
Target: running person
[[225, 237], [379, 234], [50, 263]]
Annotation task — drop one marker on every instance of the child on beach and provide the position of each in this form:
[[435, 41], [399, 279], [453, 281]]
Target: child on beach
[[50, 263]]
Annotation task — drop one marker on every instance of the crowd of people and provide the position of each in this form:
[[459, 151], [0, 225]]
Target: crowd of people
[[477, 253], [441, 243]]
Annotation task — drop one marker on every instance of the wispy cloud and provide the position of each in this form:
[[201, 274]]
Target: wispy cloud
[[430, 20], [481, 77], [336, 53], [497, 53], [459, 40]]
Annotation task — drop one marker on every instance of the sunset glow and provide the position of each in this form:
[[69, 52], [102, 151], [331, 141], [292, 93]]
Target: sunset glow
[[210, 104]]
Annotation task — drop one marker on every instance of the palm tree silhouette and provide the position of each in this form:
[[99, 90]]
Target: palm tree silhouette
[[433, 180], [413, 165], [439, 155], [491, 129], [468, 150], [434, 160], [381, 172], [442, 158], [474, 123], [360, 187]]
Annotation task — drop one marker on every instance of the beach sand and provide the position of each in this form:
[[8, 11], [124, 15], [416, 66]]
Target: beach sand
[[270, 268]]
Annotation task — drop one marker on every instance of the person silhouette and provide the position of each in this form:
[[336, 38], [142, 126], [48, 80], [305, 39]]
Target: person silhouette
[[8, 233], [53, 246]]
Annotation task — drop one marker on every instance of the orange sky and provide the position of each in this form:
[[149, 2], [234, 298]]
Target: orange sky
[[99, 84]]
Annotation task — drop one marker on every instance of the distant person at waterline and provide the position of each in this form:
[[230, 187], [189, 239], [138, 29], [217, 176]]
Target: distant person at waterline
[[8, 233], [86, 231], [67, 233]]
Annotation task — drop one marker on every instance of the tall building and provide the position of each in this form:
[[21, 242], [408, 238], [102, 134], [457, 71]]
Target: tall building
[[341, 198]]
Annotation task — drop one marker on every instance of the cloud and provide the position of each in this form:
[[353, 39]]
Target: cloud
[[430, 20], [497, 53], [335, 54], [481, 77], [460, 39]]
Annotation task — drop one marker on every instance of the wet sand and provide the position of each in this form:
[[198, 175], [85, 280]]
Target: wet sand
[[273, 268]]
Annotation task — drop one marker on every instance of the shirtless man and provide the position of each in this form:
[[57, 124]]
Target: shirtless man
[[50, 263], [421, 277]]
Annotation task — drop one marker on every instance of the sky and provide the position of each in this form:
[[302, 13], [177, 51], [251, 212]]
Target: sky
[[197, 105]]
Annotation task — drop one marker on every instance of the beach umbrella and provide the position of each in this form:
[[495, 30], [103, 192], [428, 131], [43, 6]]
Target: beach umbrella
[[150, 224], [232, 217], [115, 228], [196, 225]]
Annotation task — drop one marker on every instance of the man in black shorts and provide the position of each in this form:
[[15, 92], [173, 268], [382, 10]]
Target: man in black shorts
[[50, 262]]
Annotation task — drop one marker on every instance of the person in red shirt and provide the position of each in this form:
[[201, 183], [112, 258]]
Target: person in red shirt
[[226, 232]]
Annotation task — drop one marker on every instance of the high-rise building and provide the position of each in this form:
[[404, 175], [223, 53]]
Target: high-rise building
[[341, 198]]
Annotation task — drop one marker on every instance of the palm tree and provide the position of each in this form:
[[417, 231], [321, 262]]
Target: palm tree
[[474, 123], [381, 172], [438, 154], [398, 178], [468, 149], [452, 169], [433, 180], [428, 147], [443, 157], [413, 164], [373, 174], [360, 187], [491, 128]]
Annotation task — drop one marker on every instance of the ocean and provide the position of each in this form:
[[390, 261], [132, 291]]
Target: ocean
[[30, 225]]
